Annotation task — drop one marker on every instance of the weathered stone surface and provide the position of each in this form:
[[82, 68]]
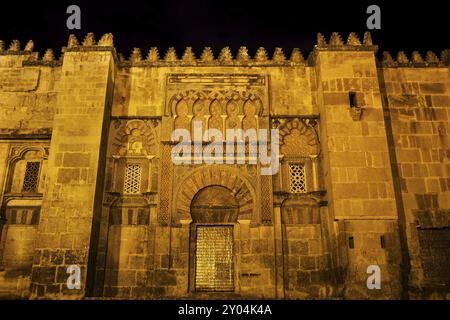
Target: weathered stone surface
[[108, 198]]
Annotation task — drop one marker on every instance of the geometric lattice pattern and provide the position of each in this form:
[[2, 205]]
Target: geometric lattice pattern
[[297, 178], [132, 183], [30, 181]]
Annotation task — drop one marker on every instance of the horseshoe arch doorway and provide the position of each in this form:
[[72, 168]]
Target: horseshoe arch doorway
[[214, 210]]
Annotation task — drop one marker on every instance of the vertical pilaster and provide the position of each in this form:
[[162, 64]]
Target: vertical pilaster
[[71, 206], [279, 254], [315, 172], [357, 169]]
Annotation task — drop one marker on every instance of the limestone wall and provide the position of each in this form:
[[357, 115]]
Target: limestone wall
[[418, 100], [27, 106], [372, 140], [357, 168], [70, 201], [27, 97], [141, 91]]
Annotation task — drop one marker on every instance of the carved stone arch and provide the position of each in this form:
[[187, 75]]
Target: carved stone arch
[[250, 109], [296, 138], [215, 175], [135, 137], [258, 104], [214, 204], [216, 111], [232, 108], [199, 111], [216, 105], [189, 96], [181, 118], [36, 202], [18, 153], [199, 106]]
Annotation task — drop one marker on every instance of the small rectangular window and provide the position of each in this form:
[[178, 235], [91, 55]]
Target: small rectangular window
[[12, 216], [142, 217], [382, 242], [297, 178], [352, 99], [30, 181], [130, 216], [351, 242], [132, 183], [35, 216]]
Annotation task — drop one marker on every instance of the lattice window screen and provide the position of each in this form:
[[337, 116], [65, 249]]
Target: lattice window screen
[[297, 178], [133, 175], [30, 181]]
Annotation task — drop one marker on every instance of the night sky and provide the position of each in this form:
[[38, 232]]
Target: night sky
[[406, 25]]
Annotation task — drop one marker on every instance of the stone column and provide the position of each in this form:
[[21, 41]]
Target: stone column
[[279, 254], [71, 207], [315, 172], [2, 240]]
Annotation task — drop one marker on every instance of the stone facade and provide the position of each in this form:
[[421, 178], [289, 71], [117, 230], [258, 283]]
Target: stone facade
[[88, 178]]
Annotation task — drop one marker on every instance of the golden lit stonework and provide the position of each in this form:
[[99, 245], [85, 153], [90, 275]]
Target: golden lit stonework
[[94, 204]]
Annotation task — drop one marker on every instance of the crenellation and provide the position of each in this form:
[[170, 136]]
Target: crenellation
[[367, 41], [153, 55], [136, 55], [171, 55], [445, 57], [336, 40], [89, 40], [353, 43], [402, 59], [416, 58], [207, 58], [432, 59], [242, 55], [14, 46], [72, 42], [188, 56], [353, 39], [29, 46], [48, 56], [207, 55]]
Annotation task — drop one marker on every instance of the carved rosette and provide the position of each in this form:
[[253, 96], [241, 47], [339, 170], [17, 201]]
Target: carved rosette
[[134, 138], [297, 138]]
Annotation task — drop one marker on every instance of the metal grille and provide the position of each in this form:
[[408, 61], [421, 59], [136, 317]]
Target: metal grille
[[30, 181], [297, 178], [435, 255], [214, 259], [132, 183]]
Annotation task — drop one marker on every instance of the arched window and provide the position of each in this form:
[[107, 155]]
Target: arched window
[[26, 174]]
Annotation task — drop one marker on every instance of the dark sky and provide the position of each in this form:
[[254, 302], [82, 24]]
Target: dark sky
[[406, 25]]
